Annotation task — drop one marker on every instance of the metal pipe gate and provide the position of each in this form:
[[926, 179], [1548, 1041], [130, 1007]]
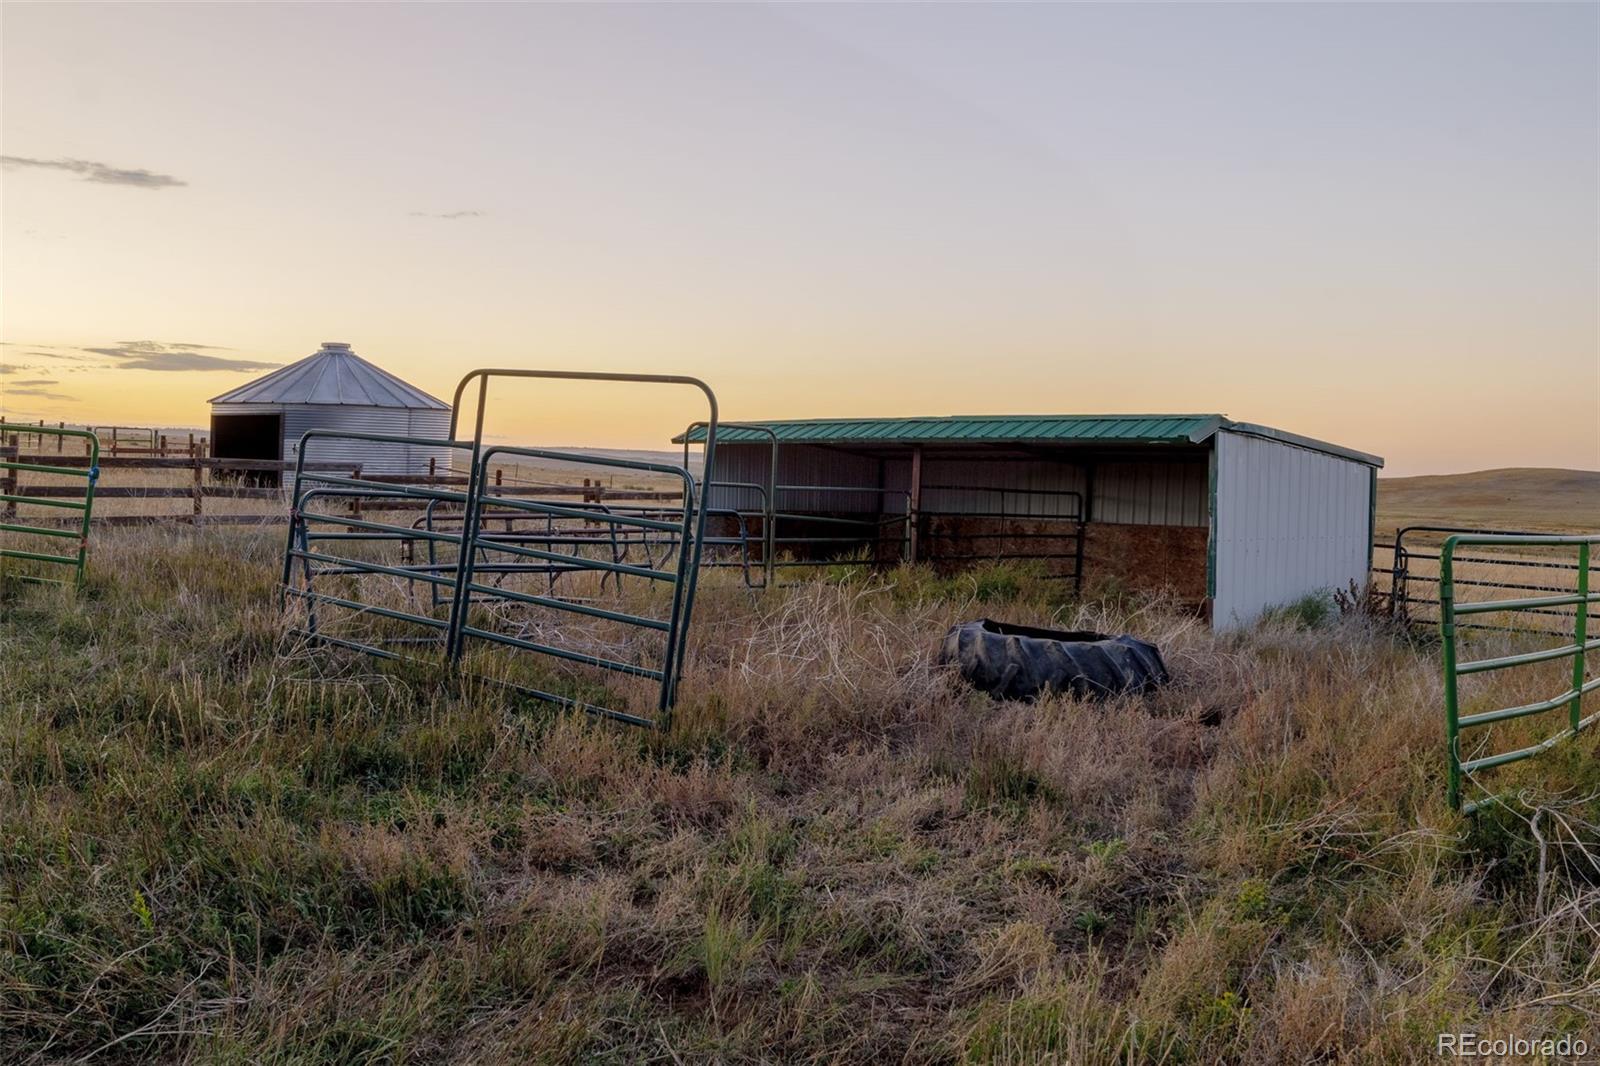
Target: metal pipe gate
[[970, 545], [1451, 609], [12, 495], [335, 564], [1413, 592], [768, 494]]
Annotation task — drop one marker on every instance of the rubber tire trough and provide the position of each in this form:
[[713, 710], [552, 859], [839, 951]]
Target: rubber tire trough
[[1012, 662]]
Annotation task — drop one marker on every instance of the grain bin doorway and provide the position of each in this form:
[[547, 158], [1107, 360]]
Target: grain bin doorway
[[250, 437]]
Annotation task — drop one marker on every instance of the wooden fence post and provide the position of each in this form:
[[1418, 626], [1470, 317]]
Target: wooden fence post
[[8, 483], [61, 442], [198, 491], [355, 501]]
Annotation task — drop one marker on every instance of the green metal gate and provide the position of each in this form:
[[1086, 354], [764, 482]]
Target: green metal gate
[[468, 569], [1451, 610], [13, 495], [738, 537]]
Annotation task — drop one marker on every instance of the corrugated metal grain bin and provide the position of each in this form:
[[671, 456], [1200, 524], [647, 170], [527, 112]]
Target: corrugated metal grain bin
[[334, 388]]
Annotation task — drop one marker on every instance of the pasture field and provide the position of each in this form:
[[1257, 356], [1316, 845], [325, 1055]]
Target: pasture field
[[222, 846], [1533, 499]]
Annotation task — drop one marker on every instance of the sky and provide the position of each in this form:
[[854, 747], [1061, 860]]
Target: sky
[[1373, 224]]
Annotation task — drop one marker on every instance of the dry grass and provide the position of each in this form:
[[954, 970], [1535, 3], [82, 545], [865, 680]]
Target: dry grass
[[221, 847]]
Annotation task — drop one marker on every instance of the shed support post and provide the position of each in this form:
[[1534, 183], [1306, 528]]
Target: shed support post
[[914, 507]]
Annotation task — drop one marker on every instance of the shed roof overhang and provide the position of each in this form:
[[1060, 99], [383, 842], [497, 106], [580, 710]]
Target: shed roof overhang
[[961, 432]]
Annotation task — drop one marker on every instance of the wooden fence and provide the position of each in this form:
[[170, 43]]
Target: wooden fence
[[120, 441], [200, 490]]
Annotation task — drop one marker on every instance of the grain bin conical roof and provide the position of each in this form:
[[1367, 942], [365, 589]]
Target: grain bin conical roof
[[333, 375]]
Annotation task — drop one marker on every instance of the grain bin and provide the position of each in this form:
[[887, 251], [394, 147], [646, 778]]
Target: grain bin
[[333, 388]]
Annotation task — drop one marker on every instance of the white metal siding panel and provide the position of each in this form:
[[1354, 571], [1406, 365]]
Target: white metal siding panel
[[897, 485], [1151, 493], [1290, 522], [1014, 486], [1140, 493], [797, 465], [739, 463]]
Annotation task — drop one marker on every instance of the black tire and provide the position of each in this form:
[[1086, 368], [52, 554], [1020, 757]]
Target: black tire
[[1022, 663]]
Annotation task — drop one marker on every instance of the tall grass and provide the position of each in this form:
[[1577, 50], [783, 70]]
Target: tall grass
[[220, 846]]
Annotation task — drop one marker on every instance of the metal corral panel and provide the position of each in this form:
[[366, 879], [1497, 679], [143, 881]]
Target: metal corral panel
[[1152, 494], [373, 458], [1290, 522]]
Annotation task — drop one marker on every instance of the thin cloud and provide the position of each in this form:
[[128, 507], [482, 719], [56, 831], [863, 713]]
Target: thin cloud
[[100, 173], [45, 351], [448, 214], [58, 353], [35, 381], [41, 393], [152, 355]]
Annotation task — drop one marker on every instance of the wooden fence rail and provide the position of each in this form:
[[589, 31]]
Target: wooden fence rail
[[198, 489], [117, 441]]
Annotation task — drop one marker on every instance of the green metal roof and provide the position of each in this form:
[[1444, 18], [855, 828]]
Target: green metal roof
[[1014, 429]]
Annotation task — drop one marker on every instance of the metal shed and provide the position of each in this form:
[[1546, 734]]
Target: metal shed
[[333, 388], [1232, 517]]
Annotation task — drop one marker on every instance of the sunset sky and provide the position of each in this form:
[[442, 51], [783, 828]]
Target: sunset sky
[[1375, 224]]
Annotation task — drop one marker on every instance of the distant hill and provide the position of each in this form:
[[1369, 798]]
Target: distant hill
[[1532, 498]]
